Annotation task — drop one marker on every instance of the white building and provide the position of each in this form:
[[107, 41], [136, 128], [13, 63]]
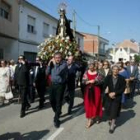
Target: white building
[[123, 51], [122, 54], [32, 26]]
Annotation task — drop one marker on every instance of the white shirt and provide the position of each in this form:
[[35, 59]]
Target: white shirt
[[106, 71], [36, 70], [131, 68]]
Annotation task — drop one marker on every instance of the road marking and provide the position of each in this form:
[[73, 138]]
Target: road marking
[[54, 135]]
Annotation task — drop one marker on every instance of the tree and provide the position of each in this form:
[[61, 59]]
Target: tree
[[137, 58]]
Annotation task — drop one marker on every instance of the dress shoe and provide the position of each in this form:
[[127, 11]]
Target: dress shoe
[[67, 99], [69, 112], [22, 114], [40, 107], [60, 113], [57, 124], [32, 101], [27, 107]]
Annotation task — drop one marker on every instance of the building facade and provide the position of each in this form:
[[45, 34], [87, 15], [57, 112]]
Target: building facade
[[80, 40], [34, 26], [124, 51], [95, 45], [9, 17], [25, 28], [122, 54]]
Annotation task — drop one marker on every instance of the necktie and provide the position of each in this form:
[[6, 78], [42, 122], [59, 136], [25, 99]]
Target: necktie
[[36, 70], [132, 69]]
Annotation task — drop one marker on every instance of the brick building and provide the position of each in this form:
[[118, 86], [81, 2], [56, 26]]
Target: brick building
[[95, 45]]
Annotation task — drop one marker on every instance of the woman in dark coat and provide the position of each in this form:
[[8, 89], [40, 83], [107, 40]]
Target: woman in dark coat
[[116, 85]]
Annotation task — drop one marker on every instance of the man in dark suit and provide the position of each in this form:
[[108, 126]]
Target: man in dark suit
[[40, 81], [72, 69], [132, 70], [31, 85], [22, 79]]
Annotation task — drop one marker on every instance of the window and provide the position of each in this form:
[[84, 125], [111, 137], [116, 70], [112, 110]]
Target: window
[[31, 25], [30, 56], [102, 48], [54, 31], [79, 41], [46, 29], [5, 10], [1, 53]]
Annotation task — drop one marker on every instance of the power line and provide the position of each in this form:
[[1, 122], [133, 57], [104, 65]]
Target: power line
[[84, 20]]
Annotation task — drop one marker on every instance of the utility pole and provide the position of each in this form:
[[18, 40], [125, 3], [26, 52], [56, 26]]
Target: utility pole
[[98, 56], [74, 23]]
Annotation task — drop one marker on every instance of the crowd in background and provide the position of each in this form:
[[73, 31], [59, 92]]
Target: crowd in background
[[104, 86]]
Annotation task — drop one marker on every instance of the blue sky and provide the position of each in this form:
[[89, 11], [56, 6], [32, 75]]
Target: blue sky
[[118, 19]]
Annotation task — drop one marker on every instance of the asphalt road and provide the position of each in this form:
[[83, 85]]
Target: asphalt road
[[38, 124]]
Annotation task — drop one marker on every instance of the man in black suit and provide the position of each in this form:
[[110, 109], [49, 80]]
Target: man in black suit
[[72, 69], [22, 79], [40, 81], [31, 86], [132, 70]]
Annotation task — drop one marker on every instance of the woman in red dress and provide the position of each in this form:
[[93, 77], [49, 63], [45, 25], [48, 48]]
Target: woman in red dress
[[92, 95]]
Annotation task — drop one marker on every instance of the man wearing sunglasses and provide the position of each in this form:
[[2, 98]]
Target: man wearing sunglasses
[[22, 79]]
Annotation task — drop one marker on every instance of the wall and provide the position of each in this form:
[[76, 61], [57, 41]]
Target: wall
[[90, 44], [7, 27], [121, 54], [81, 37], [10, 48], [25, 10]]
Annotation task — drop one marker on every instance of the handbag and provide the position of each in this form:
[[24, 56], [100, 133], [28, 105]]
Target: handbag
[[9, 94]]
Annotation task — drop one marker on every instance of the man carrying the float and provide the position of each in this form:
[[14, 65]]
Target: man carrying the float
[[58, 70]]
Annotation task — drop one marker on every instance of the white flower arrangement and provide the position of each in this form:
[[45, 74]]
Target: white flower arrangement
[[58, 44]]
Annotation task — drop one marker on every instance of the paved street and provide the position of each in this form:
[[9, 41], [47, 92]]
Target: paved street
[[38, 125]]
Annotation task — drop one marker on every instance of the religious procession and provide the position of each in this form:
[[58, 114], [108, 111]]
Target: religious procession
[[59, 69]]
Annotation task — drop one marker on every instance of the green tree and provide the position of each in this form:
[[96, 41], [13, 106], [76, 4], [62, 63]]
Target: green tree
[[137, 58]]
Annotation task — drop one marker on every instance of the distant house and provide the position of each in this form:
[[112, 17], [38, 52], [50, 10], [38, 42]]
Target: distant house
[[124, 51], [123, 54], [129, 44]]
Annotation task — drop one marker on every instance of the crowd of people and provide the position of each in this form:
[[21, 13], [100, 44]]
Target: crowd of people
[[105, 86]]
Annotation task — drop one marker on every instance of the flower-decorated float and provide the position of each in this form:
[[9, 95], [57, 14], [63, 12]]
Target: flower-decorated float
[[63, 42]]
